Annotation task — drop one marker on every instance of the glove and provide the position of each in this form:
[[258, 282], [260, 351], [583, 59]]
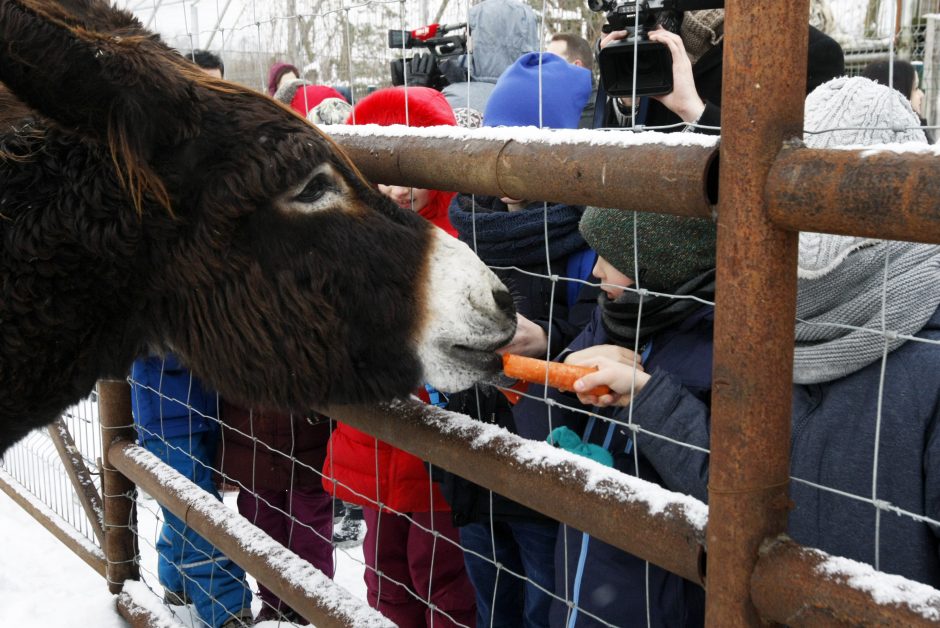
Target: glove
[[423, 71], [566, 439], [398, 72]]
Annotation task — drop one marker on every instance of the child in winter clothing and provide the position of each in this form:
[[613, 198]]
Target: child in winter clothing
[[425, 107], [275, 460], [408, 568], [837, 371], [509, 235], [302, 96], [176, 420], [279, 74], [676, 256], [837, 417]]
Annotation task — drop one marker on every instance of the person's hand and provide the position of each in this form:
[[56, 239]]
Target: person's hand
[[585, 357], [611, 37], [683, 100], [423, 71], [624, 380], [530, 339], [917, 101]]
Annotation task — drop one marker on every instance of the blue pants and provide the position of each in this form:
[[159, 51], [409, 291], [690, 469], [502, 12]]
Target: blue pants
[[525, 548], [186, 561]]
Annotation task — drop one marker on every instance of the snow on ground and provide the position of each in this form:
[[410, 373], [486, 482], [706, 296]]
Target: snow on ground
[[44, 585]]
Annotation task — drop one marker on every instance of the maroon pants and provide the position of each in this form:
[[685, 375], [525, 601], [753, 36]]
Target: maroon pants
[[306, 507], [433, 572]]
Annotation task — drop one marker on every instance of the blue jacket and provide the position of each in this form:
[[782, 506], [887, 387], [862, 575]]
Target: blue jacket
[[603, 580], [832, 445], [168, 401]]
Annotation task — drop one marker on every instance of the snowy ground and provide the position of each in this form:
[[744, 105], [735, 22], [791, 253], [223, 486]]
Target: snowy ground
[[44, 585]]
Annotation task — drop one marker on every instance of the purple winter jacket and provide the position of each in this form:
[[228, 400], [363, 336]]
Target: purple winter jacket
[[257, 449]]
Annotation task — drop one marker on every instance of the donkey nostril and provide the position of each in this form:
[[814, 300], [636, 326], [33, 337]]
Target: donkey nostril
[[504, 302]]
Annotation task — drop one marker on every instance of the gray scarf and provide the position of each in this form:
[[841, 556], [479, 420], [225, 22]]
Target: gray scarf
[[840, 282]]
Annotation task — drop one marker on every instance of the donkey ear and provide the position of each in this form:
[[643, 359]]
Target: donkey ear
[[94, 69]]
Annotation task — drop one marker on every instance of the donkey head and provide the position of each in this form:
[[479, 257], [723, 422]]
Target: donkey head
[[259, 254]]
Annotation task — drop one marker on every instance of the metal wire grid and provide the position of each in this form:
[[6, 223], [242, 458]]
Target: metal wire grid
[[35, 464]]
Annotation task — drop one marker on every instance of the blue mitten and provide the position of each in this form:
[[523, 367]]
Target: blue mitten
[[568, 440]]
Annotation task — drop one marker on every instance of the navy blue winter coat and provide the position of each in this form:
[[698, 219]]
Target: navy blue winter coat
[[601, 579], [562, 309], [167, 401], [832, 445]]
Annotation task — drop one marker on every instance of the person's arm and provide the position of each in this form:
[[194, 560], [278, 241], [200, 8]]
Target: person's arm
[[683, 100], [666, 408], [661, 405]]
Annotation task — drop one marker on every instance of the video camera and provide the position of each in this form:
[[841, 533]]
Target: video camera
[[653, 60], [435, 38]]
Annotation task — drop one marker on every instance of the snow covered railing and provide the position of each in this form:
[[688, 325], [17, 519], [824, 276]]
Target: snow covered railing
[[674, 173], [126, 464], [791, 583], [798, 586], [637, 516], [306, 589]]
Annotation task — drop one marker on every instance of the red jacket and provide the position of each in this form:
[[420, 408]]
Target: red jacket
[[361, 469], [349, 473]]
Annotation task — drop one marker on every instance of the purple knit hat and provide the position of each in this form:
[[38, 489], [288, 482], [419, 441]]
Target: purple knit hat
[[276, 72]]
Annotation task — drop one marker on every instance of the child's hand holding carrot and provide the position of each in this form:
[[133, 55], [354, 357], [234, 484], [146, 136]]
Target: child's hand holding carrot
[[619, 374]]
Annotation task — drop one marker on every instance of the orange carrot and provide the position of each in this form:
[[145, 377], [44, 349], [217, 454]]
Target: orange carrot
[[560, 376]]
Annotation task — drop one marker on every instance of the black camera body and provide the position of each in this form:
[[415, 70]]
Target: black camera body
[[434, 38], [653, 61]]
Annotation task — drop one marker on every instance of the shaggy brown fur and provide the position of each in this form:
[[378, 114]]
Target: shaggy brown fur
[[145, 207]]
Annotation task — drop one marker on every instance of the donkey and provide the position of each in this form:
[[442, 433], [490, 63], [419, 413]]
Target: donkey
[[146, 207]]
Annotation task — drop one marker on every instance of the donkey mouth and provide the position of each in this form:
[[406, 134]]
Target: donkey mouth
[[485, 360]]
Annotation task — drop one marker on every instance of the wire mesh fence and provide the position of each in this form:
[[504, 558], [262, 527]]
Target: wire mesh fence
[[439, 549], [43, 470]]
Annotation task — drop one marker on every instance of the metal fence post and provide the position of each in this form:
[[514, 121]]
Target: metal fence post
[[765, 49], [120, 511]]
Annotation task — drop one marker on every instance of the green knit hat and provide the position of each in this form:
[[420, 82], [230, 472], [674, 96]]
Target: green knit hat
[[672, 249]]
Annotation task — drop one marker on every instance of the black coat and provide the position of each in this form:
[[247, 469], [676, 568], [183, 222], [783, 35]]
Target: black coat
[[825, 61], [553, 310]]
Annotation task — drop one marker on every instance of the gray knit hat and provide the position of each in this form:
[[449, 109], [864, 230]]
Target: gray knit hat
[[468, 118], [671, 250], [858, 111], [330, 111], [851, 112]]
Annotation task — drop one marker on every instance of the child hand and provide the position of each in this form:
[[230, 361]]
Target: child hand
[[586, 357], [530, 339], [624, 380]]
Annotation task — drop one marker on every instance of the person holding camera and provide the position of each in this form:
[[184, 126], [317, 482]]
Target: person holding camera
[[696, 49]]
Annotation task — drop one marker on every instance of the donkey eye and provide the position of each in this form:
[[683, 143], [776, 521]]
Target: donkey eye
[[314, 190]]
